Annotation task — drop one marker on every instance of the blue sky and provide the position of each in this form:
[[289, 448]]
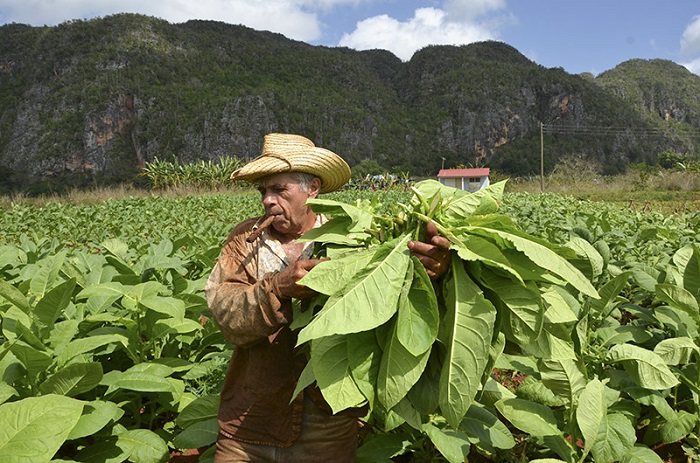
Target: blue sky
[[576, 35]]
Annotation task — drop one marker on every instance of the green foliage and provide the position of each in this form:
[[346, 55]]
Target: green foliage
[[163, 174], [104, 330], [107, 94], [586, 366], [668, 159]]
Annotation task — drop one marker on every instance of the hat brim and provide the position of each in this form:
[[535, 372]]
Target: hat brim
[[333, 171]]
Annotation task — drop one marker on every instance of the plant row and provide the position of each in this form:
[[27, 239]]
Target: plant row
[[108, 353]]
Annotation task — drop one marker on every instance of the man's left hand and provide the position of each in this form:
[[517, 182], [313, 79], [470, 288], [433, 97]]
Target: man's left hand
[[434, 253]]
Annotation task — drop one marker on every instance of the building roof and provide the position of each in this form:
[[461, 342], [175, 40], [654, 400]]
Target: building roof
[[451, 173]]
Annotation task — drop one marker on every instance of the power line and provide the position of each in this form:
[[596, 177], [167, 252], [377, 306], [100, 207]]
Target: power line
[[612, 130]]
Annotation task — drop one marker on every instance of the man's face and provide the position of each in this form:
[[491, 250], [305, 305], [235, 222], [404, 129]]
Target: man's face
[[284, 198]]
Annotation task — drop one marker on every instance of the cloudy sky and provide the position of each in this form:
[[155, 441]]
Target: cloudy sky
[[577, 35]]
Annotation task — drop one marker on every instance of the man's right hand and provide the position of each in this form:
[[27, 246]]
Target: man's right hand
[[285, 282]]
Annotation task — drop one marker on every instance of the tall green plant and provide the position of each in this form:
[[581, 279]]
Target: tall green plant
[[432, 352]]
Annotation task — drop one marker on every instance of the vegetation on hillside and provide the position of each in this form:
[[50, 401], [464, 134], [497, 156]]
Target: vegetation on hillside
[[87, 103]]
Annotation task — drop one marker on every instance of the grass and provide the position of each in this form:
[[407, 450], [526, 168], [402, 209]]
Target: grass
[[645, 190], [668, 192], [101, 194]]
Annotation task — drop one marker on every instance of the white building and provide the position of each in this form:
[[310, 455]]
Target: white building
[[465, 179]]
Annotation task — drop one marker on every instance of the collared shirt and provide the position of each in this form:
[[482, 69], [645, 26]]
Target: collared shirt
[[271, 256], [256, 400]]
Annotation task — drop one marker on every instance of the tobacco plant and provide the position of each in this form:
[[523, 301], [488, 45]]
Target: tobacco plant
[[421, 355], [98, 362], [385, 336]]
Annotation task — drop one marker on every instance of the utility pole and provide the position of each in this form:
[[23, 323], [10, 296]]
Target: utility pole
[[541, 157]]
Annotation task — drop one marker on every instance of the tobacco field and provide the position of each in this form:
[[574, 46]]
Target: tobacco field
[[108, 352]]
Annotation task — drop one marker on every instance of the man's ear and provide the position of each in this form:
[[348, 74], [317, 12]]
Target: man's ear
[[314, 187]]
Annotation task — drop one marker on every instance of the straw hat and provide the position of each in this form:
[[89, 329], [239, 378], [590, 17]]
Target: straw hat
[[293, 153]]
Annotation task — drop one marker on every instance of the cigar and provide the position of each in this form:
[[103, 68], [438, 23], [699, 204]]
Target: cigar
[[255, 234]]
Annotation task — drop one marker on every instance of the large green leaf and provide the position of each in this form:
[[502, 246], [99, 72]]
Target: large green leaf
[[175, 326], [360, 219], [485, 430], [476, 248], [453, 445], [543, 257], [44, 279], [143, 446], [644, 366], [608, 294], [651, 398], [418, 316], [96, 415], [591, 413], [462, 203], [201, 409], [466, 333], [330, 275], [564, 377], [364, 357], [640, 454], [164, 305], [112, 289], [33, 429], [368, 300], [676, 351], [691, 275], [560, 305], [616, 437], [137, 381], [398, 372], [678, 427], [199, 434], [381, 448], [16, 325], [524, 314], [33, 360], [329, 357], [336, 231], [50, 307], [88, 344], [6, 391], [679, 298], [73, 379], [533, 418], [594, 263], [14, 296]]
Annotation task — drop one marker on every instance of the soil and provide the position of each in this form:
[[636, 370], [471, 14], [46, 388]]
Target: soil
[[188, 456]]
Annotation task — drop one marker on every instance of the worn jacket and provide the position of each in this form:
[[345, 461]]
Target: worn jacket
[[264, 369]]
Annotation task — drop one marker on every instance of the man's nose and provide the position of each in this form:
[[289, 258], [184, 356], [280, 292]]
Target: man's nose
[[268, 199]]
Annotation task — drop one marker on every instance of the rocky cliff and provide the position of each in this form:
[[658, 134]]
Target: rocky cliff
[[92, 101]]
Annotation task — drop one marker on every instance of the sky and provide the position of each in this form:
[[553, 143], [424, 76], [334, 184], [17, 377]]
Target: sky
[[576, 35]]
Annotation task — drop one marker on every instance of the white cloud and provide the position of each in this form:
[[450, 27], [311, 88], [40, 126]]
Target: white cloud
[[693, 66], [690, 41], [457, 24], [293, 18]]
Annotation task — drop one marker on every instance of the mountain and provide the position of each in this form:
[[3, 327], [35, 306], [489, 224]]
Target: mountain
[[89, 102]]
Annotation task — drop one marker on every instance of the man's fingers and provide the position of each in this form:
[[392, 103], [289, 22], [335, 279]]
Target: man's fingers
[[308, 264]]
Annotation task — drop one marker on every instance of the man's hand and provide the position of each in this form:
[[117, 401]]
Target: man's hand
[[434, 253], [285, 282]]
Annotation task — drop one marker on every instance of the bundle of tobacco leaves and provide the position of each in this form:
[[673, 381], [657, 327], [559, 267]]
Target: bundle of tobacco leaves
[[383, 334]]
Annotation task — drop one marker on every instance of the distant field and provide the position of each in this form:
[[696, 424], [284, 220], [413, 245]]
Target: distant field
[[667, 192]]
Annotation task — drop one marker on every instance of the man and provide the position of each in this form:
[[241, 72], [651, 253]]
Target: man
[[249, 293]]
